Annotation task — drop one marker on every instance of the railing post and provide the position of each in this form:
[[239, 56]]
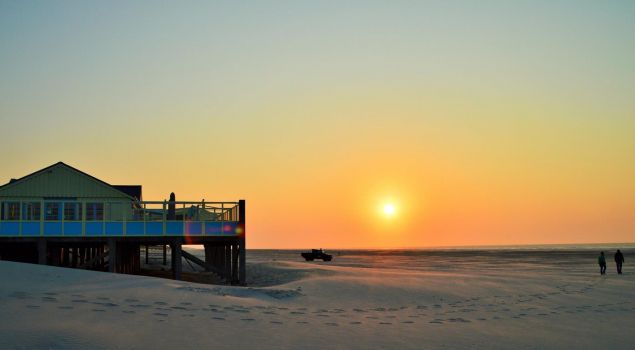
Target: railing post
[[103, 219], [20, 218], [164, 208], [198, 216], [61, 209], [42, 213], [242, 241], [144, 219], [83, 206], [124, 217]]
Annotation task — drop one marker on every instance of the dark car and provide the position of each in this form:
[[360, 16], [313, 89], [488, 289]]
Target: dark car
[[317, 254]]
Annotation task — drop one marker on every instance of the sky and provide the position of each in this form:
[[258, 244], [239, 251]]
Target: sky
[[481, 123]]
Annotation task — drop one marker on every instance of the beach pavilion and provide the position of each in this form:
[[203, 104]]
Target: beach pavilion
[[62, 216]]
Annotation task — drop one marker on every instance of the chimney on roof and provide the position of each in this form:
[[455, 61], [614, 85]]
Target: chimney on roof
[[12, 181]]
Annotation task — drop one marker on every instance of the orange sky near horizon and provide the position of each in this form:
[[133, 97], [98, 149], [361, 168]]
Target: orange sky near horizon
[[490, 124]]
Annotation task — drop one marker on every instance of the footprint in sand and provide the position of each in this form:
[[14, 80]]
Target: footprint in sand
[[140, 306], [49, 293], [160, 303], [98, 310], [385, 323], [269, 313], [275, 322], [218, 318], [20, 295], [77, 295], [103, 298], [159, 314], [185, 303], [296, 313], [131, 300], [129, 311], [302, 322], [65, 307], [79, 301], [355, 322], [247, 319], [437, 321], [33, 306], [331, 324], [49, 299], [407, 321]]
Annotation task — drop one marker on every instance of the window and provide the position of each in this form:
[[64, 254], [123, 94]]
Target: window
[[52, 211], [94, 211], [11, 211], [31, 211], [72, 211]]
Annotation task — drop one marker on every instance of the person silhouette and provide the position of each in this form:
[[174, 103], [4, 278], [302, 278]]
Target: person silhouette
[[619, 260], [602, 263]]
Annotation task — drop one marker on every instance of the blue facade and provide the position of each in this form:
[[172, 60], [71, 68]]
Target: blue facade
[[116, 228]]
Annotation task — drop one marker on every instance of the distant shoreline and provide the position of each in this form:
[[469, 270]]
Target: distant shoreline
[[583, 246]]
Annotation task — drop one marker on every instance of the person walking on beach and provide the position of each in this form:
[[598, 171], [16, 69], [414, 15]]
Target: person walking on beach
[[619, 260], [602, 263]]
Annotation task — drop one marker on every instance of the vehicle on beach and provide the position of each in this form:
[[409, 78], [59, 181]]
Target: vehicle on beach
[[317, 254]]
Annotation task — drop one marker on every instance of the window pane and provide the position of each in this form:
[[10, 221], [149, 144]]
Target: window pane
[[11, 211], [31, 211], [94, 211], [52, 211], [72, 211]]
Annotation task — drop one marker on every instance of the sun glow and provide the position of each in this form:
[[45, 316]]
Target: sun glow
[[389, 209]]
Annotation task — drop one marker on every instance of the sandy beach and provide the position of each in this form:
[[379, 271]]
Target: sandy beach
[[437, 299]]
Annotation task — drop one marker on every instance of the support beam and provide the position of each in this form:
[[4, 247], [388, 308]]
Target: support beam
[[112, 254], [208, 255], [242, 274], [228, 262], [200, 263], [74, 256], [177, 266], [41, 251], [234, 279]]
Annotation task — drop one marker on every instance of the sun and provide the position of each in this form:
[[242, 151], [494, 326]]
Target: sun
[[389, 209]]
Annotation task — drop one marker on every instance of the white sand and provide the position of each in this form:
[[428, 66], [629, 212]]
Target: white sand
[[458, 301]]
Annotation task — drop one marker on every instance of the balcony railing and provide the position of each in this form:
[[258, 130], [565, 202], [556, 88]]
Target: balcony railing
[[72, 218]]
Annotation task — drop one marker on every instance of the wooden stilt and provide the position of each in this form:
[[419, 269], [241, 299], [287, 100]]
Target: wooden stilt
[[242, 253], [165, 254], [112, 255], [176, 259], [41, 251]]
